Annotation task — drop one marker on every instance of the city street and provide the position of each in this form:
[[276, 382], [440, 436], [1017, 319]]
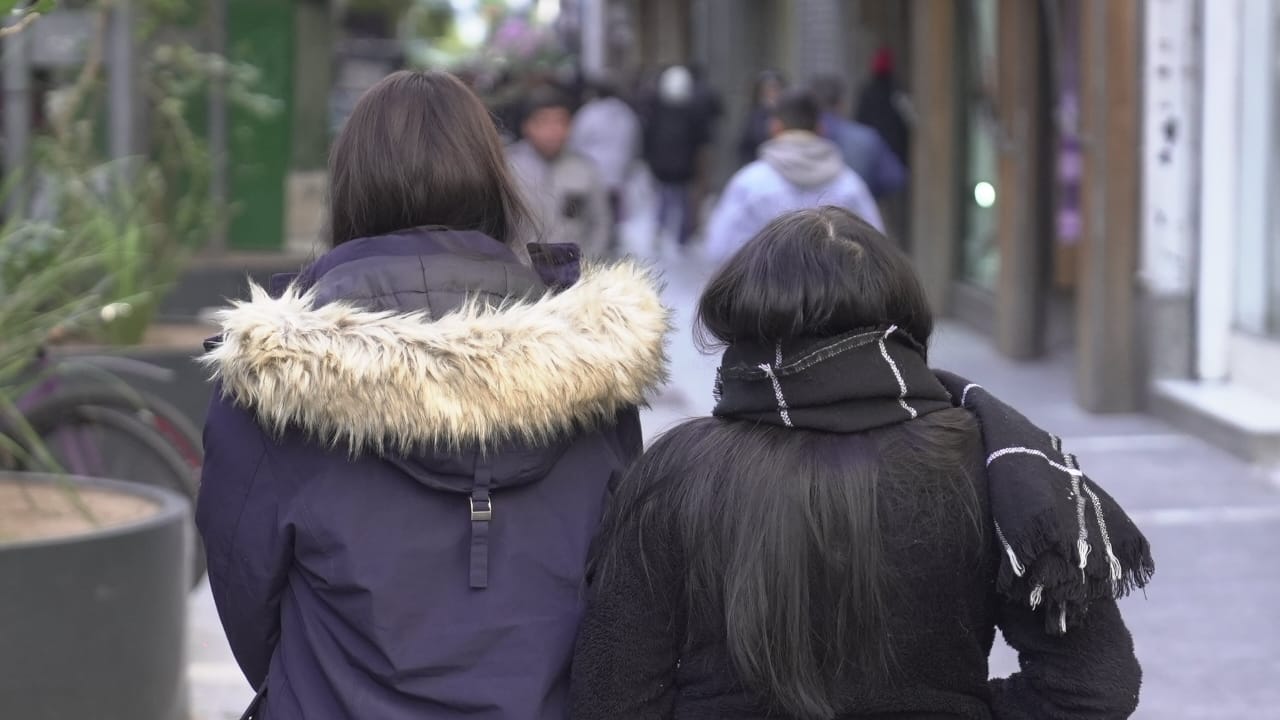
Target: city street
[[1207, 630]]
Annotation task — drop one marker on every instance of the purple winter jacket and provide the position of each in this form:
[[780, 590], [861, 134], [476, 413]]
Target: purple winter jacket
[[406, 462]]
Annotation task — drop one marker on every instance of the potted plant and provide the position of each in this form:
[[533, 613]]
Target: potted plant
[[94, 573]]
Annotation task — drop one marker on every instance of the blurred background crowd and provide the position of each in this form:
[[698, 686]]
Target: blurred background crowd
[[1051, 165]]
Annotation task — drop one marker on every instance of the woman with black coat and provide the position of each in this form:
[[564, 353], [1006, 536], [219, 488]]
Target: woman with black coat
[[847, 533]]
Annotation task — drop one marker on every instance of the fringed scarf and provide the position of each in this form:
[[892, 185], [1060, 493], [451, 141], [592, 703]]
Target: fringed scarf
[[1065, 541]]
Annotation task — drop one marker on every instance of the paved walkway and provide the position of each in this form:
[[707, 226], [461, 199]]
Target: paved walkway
[[1207, 630]]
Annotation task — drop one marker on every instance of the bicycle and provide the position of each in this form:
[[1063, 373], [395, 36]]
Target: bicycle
[[94, 424]]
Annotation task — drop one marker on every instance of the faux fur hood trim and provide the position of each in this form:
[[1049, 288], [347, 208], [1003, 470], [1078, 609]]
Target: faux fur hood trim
[[529, 371]]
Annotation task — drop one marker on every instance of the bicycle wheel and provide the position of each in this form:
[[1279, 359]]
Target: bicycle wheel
[[113, 442], [157, 414]]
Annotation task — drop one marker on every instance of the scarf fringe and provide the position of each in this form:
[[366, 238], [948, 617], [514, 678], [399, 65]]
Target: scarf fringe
[[1052, 577]]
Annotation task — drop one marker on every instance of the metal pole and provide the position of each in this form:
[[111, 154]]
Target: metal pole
[[218, 145], [17, 119], [594, 35], [121, 81]]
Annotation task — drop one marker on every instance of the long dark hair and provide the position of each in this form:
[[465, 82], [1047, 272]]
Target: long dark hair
[[780, 530], [420, 149]]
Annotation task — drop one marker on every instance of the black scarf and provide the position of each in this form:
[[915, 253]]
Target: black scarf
[[1066, 543]]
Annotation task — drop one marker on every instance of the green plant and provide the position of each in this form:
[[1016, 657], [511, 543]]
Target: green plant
[[21, 17], [47, 280], [145, 214]]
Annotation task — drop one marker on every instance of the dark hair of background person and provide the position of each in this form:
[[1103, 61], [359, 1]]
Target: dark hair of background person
[[780, 529], [546, 97], [421, 150], [829, 90], [603, 87], [764, 78], [798, 110]]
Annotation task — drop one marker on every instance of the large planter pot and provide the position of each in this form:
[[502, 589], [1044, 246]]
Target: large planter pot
[[93, 622]]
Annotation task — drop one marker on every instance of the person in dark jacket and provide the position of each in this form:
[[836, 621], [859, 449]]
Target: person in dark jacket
[[769, 86], [675, 132], [846, 534], [880, 106], [411, 442], [864, 151]]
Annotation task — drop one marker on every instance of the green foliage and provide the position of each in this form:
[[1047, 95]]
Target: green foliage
[[18, 14], [144, 215], [10, 7]]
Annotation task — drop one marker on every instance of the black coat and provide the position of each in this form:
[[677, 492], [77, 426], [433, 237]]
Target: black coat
[[638, 658], [673, 136]]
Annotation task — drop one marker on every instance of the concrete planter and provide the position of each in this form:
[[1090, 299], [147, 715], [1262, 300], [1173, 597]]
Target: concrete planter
[[94, 623]]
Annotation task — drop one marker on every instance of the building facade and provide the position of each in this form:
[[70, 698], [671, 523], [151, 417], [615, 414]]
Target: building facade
[[1211, 234], [1089, 177]]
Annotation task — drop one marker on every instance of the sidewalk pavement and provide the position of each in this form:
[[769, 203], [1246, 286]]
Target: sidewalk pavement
[[1207, 630]]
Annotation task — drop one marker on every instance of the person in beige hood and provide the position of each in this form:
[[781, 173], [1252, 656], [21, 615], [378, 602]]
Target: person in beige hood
[[797, 169], [569, 199]]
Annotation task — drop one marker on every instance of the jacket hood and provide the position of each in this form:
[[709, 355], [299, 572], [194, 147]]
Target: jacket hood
[[514, 376], [803, 158]]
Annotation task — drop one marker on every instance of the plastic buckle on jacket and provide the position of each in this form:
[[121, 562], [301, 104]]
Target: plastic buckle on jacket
[[481, 509]]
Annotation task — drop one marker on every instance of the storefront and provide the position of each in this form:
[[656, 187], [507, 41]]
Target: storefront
[[1020, 229], [986, 96], [1212, 232]]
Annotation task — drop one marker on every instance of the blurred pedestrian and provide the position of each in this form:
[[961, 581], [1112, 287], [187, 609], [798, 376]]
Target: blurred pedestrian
[[864, 151], [755, 131], [607, 131], [409, 448], [711, 109], [706, 98], [674, 135], [797, 169], [566, 191], [846, 534], [880, 105]]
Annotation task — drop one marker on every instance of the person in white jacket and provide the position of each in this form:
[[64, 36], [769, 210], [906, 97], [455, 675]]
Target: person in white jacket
[[607, 131], [797, 169]]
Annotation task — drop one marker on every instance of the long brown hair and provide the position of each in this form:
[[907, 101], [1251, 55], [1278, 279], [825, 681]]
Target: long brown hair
[[420, 149]]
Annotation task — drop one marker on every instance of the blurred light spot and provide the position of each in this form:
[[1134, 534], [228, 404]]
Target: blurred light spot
[[472, 30], [984, 193]]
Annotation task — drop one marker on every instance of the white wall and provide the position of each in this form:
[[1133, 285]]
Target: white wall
[[1171, 77]]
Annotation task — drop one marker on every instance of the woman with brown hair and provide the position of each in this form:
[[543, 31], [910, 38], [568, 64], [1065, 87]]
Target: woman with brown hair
[[411, 441]]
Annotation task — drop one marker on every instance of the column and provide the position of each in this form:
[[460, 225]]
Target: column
[[1108, 364], [1219, 187], [936, 91], [1025, 209]]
